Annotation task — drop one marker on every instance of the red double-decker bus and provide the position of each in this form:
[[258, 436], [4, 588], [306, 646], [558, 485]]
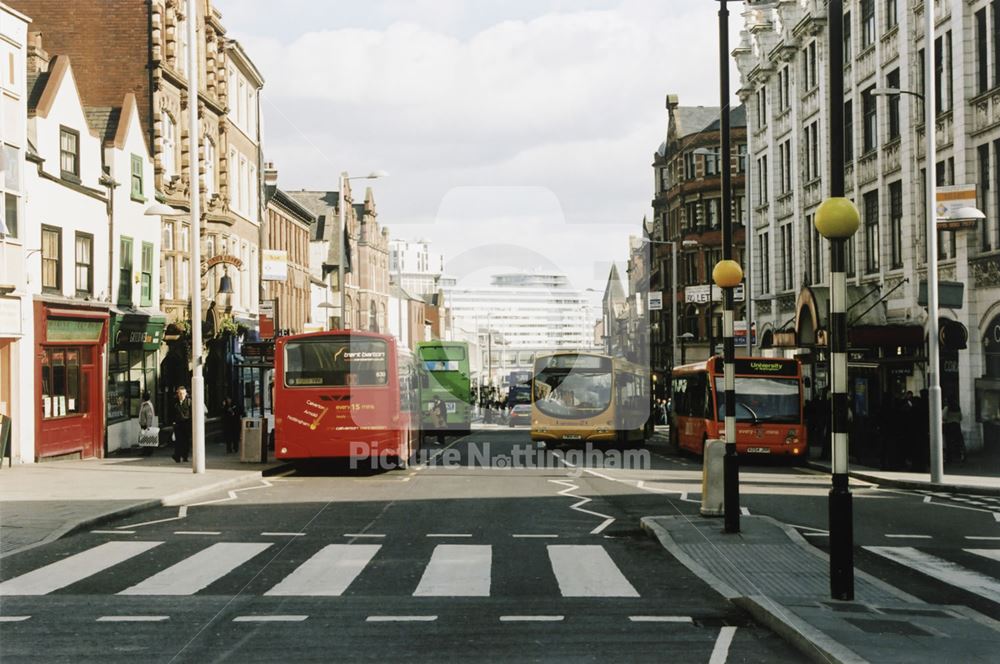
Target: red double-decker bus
[[345, 394], [769, 417]]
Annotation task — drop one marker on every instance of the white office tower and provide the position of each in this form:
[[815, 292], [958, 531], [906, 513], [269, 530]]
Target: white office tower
[[522, 313]]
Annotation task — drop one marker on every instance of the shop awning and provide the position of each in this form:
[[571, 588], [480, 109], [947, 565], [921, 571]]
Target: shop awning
[[136, 328]]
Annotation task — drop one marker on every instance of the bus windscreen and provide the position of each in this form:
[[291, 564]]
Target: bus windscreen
[[336, 363], [573, 393], [760, 399]]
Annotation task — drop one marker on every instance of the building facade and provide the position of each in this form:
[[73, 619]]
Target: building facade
[[687, 212], [783, 63], [415, 267], [140, 46], [16, 318], [288, 229]]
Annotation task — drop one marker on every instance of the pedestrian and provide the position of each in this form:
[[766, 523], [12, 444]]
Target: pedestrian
[[149, 435], [439, 416], [231, 425], [182, 425], [954, 440]]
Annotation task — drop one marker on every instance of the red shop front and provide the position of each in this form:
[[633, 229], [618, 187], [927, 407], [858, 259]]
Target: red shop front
[[69, 380]]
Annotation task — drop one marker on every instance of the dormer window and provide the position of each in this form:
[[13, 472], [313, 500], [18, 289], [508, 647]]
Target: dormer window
[[69, 153]]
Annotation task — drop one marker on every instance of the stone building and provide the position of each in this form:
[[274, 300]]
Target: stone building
[[366, 282], [783, 61]]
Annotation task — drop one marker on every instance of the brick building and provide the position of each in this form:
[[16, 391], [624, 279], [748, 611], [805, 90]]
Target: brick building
[[288, 229]]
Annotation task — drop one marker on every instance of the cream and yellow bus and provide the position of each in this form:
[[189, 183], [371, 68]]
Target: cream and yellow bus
[[585, 398]]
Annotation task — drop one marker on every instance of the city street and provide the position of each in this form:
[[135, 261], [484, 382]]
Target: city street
[[450, 559]]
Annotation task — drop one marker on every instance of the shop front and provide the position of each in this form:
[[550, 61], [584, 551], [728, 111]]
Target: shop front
[[70, 342], [135, 339], [988, 389], [15, 402]]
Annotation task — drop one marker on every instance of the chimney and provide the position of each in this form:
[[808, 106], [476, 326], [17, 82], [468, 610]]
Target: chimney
[[270, 174], [38, 59]]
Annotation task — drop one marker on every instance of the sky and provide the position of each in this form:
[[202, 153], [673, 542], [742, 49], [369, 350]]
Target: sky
[[517, 134]]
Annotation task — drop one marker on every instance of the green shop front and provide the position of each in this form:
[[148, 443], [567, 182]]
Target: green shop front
[[133, 346]]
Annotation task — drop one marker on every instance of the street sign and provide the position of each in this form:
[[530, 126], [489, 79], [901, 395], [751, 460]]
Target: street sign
[[655, 300], [700, 294], [275, 266], [948, 200]]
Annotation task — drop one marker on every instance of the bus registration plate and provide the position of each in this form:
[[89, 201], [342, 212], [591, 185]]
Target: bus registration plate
[[450, 405], [758, 450], [571, 436]]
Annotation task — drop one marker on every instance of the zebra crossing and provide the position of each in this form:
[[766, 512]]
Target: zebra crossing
[[984, 581], [452, 570]]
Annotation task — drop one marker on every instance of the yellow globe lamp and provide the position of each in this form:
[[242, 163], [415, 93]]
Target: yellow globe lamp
[[727, 274], [837, 218]]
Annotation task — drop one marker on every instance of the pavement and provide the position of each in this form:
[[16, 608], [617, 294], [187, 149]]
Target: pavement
[[767, 568], [41, 502]]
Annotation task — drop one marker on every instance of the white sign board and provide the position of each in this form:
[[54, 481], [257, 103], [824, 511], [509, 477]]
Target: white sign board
[[655, 300], [10, 317], [700, 294], [275, 265], [949, 199]]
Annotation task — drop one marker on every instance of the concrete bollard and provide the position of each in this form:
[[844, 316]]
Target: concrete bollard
[[712, 478]]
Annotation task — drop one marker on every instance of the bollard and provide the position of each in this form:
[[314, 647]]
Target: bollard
[[712, 478]]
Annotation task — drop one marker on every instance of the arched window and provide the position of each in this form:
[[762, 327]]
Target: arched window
[[381, 318], [373, 317], [348, 313], [168, 155]]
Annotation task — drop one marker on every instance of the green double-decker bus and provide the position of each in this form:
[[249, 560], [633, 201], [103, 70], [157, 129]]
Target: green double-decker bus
[[447, 365]]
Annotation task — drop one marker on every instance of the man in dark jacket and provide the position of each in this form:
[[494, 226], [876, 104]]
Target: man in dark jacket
[[182, 425]]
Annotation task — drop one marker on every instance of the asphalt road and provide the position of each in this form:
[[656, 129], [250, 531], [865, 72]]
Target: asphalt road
[[485, 550]]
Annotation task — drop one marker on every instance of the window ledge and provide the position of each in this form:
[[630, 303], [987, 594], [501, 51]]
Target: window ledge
[[138, 199], [70, 177]]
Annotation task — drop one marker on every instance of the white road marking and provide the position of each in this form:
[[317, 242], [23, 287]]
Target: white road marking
[[457, 570], [941, 569], [449, 535], [570, 487], [197, 532], [198, 571], [996, 516], [274, 618], [982, 537], [927, 499], [232, 494], [113, 532], [75, 568], [721, 650], [670, 619], [904, 536], [816, 534], [181, 514], [531, 536], [745, 511], [531, 618], [992, 554], [373, 535], [282, 534], [328, 572], [586, 570], [13, 618], [401, 618], [133, 618]]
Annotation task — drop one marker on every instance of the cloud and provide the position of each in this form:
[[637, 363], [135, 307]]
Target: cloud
[[547, 96]]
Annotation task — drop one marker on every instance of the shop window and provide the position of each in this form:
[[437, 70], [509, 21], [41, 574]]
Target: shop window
[[62, 393], [130, 373]]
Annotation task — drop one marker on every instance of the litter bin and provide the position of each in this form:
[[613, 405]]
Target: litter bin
[[252, 437]]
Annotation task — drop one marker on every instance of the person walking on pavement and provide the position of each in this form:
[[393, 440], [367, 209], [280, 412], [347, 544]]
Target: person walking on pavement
[[231, 425], [147, 417], [954, 441], [182, 425], [439, 414]]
